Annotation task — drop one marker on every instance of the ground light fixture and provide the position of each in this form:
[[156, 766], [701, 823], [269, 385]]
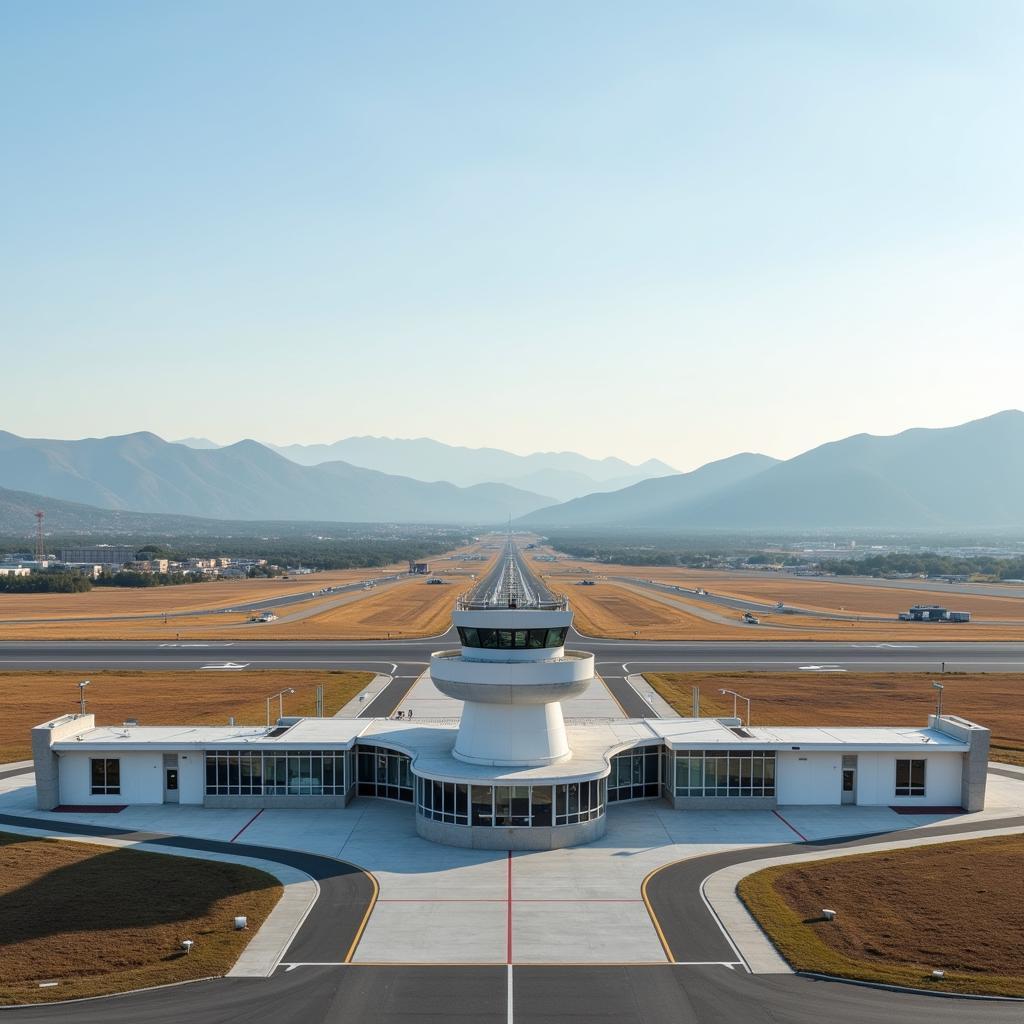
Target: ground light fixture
[[737, 696], [280, 703], [829, 915], [81, 696], [241, 923], [187, 944]]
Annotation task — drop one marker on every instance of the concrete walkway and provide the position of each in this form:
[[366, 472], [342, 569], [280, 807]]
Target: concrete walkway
[[753, 946]]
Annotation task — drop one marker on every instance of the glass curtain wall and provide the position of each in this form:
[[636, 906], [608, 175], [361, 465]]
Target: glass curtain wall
[[510, 806], [725, 773], [284, 773]]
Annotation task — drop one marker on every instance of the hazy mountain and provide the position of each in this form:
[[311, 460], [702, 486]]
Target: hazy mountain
[[652, 501], [74, 518], [965, 477], [143, 473], [202, 443], [560, 474]]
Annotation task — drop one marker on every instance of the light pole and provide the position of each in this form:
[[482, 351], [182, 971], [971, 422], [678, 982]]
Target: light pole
[[736, 695], [280, 706], [938, 708], [81, 696]]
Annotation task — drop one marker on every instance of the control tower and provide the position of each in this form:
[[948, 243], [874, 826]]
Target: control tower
[[512, 670]]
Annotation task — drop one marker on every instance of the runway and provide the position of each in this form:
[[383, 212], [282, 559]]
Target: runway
[[639, 655]]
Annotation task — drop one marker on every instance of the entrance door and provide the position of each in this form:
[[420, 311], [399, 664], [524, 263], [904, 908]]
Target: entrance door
[[849, 778], [170, 778]]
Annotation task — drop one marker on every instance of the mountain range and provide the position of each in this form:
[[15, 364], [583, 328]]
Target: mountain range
[[143, 473], [969, 476], [562, 475]]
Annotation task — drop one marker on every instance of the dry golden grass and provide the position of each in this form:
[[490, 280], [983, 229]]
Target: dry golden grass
[[823, 594], [615, 609], [901, 914], [411, 609], [100, 920], [164, 698], [109, 601], [994, 700]]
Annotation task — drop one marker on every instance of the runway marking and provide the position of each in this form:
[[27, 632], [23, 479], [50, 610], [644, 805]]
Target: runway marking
[[821, 668], [731, 964], [509, 1017], [793, 827], [508, 935], [246, 825], [228, 665]]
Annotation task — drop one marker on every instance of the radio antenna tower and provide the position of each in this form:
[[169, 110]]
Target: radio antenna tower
[[40, 552]]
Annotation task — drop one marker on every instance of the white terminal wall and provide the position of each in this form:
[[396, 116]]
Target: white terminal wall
[[876, 779], [191, 778], [142, 778], [808, 777]]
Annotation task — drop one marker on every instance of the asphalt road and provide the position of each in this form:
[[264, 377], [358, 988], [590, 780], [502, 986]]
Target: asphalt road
[[602, 994]]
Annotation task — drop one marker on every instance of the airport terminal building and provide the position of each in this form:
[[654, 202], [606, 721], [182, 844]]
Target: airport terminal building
[[510, 772]]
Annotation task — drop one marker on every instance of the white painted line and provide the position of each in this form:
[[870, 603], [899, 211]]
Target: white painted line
[[709, 963], [722, 928], [510, 1017], [230, 665]]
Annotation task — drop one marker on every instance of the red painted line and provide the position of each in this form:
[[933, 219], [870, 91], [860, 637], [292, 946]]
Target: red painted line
[[508, 937], [246, 825], [786, 823], [497, 900]]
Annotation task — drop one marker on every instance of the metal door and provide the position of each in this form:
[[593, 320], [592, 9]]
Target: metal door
[[849, 779], [170, 778]]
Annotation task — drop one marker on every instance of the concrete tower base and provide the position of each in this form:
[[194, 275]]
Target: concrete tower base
[[527, 735]]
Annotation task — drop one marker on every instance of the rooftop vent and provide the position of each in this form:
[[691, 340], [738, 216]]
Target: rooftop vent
[[738, 730], [279, 731]]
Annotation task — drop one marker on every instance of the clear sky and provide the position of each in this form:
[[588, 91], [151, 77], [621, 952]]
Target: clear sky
[[643, 229]]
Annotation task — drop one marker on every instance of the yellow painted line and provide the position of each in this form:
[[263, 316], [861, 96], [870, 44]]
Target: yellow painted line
[[366, 918], [654, 917]]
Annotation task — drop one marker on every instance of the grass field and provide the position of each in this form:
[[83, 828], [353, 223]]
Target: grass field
[[164, 698], [115, 613], [994, 700], [186, 597], [953, 906], [100, 920], [616, 609], [825, 594]]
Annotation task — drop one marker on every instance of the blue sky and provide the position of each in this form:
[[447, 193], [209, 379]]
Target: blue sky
[[674, 230]]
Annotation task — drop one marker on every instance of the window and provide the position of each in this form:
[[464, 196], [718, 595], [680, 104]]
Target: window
[[724, 773], [384, 773], [105, 776], [445, 801], [910, 776], [265, 773], [510, 806], [512, 639], [635, 775]]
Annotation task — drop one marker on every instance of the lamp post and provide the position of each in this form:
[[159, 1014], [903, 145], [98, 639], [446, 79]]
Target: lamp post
[[81, 696], [280, 699], [938, 707], [740, 696]]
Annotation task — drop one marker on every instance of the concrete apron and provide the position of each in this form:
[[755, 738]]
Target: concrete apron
[[745, 934], [267, 947]]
